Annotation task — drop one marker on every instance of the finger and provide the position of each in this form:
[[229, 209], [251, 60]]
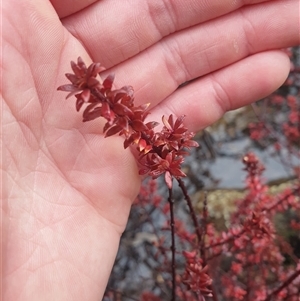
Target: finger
[[158, 71], [69, 7], [36, 53], [113, 31], [207, 99]]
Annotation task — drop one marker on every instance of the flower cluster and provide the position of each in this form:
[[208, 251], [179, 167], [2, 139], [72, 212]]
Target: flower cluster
[[160, 152], [195, 275]]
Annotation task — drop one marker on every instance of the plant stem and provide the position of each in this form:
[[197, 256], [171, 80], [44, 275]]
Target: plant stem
[[204, 224], [192, 211], [172, 223], [283, 285]]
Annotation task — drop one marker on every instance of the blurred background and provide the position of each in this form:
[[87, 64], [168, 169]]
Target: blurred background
[[271, 129]]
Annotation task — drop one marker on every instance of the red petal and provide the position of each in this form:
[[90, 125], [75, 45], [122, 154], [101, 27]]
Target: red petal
[[168, 180]]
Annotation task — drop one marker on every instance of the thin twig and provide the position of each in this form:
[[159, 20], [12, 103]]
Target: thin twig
[[204, 229], [191, 208], [172, 223], [197, 228], [284, 285]]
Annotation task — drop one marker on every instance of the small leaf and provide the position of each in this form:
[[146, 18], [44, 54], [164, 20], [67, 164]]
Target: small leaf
[[179, 121], [170, 120], [121, 109], [79, 104], [127, 143], [92, 82], [138, 125], [117, 95], [76, 69], [67, 88], [123, 123], [106, 112], [81, 63], [113, 130], [156, 173], [144, 107], [94, 69], [152, 124], [106, 126], [71, 77], [85, 95], [142, 144], [147, 149], [191, 143], [108, 82], [181, 130], [75, 92], [91, 115], [166, 123]]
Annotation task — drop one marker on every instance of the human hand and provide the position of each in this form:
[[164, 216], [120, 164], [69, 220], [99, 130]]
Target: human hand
[[67, 191]]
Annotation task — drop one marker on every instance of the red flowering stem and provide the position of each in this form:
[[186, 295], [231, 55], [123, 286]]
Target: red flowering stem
[[192, 211], [200, 236], [160, 152], [222, 242], [172, 224], [295, 191], [283, 285]]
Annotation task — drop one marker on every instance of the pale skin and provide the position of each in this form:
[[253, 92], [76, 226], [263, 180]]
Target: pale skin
[[67, 191]]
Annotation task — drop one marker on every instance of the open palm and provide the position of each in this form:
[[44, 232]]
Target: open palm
[[67, 191]]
